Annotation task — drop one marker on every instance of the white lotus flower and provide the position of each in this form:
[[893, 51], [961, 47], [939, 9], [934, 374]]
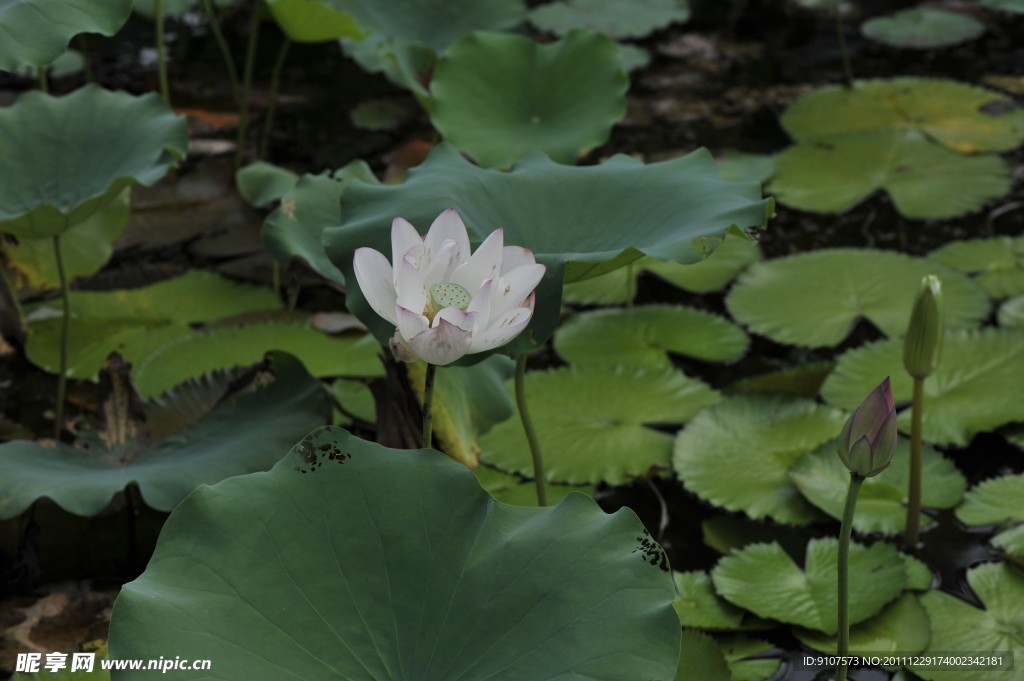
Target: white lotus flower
[[445, 301]]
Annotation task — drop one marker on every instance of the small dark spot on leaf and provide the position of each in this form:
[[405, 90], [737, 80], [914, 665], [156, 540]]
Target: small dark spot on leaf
[[999, 107]]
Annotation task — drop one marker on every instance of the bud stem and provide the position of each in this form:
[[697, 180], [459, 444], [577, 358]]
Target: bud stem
[[914, 491], [531, 435], [845, 531], [428, 405]]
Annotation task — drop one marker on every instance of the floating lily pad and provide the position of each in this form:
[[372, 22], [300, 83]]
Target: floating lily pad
[[882, 505], [1011, 313], [774, 299], [76, 153], [643, 336], [809, 597], [963, 117], [222, 347], [35, 32], [633, 20], [960, 626], [997, 264], [591, 220], [739, 166], [85, 248], [262, 183], [974, 390], [295, 228], [241, 436], [512, 489], [902, 627], [700, 659], [567, 95], [383, 113], [923, 179], [411, 563], [998, 502], [633, 57], [923, 28], [356, 399], [744, 655], [737, 455], [803, 380], [698, 606], [136, 322], [313, 21], [1015, 6], [592, 422], [919, 575]]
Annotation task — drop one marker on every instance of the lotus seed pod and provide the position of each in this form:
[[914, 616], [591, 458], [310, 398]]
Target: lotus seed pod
[[922, 349]]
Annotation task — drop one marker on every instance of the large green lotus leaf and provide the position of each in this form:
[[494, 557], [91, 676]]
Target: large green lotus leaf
[[238, 437], [512, 489], [963, 117], [594, 218], [468, 401], [407, 65], [567, 95], [774, 299], [85, 248], [737, 455], [592, 422], [745, 657], [922, 28], [994, 502], [135, 322], [63, 158], [35, 32], [713, 273], [700, 659], [698, 606], [997, 263], [643, 336], [222, 347], [975, 389], [882, 505], [295, 228], [763, 579], [352, 561], [619, 20], [902, 627], [960, 626], [262, 183], [923, 179], [313, 21]]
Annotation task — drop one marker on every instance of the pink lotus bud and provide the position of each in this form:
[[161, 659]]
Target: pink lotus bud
[[868, 440]]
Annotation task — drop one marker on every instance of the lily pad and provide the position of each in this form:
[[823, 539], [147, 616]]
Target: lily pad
[[700, 659], [592, 422], [405, 560], [803, 380], [136, 322], [997, 264], [643, 336], [963, 117], [974, 390], [241, 436], [960, 626], [383, 113], [85, 248], [997, 502], [583, 220], [74, 154], [1011, 313], [1015, 6], [923, 179], [902, 627], [35, 32], [737, 455], [512, 489], [567, 95], [922, 28], [744, 655], [633, 57], [222, 347], [882, 505], [773, 298], [313, 21], [808, 597], [633, 20], [739, 166], [262, 183], [356, 399], [698, 606]]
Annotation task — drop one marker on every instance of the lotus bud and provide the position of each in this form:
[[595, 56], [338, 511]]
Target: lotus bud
[[922, 348], [868, 440]]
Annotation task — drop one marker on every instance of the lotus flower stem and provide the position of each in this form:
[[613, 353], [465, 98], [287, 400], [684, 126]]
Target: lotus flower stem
[[161, 58], [218, 35], [914, 491], [845, 531], [62, 380], [428, 406], [43, 84], [531, 434], [275, 82], [250, 64], [843, 51]]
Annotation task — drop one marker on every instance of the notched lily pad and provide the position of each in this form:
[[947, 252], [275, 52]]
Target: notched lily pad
[[513, 489], [997, 263], [418, 570], [923, 28], [698, 606], [902, 627], [998, 502]]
